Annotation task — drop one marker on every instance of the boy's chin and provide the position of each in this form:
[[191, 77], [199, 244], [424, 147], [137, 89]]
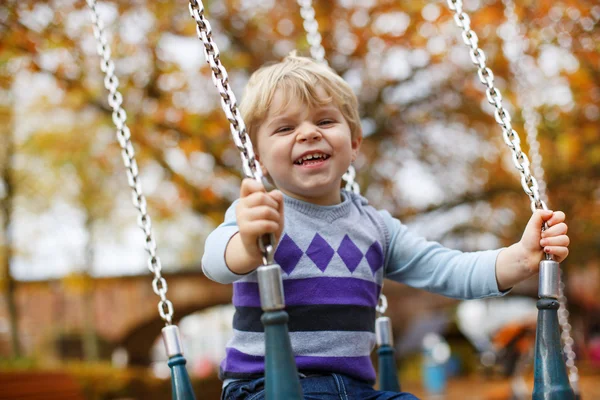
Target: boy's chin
[[316, 195]]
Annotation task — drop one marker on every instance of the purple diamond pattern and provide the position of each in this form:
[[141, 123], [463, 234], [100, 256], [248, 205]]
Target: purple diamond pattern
[[288, 254], [320, 252], [374, 257], [349, 253]]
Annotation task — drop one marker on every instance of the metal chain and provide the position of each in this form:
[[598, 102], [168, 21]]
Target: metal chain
[[382, 304], [530, 115], [511, 137], [532, 120], [568, 342], [228, 99], [311, 26], [115, 101], [351, 184], [317, 51], [229, 105]]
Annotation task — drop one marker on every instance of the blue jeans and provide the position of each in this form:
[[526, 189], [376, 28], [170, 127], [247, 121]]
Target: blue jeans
[[316, 387]]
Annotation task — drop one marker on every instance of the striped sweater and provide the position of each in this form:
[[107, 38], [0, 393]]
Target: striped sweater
[[334, 260]]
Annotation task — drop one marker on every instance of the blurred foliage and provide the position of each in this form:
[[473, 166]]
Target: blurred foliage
[[432, 154]]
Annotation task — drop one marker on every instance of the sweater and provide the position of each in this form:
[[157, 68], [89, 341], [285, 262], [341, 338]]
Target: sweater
[[333, 261]]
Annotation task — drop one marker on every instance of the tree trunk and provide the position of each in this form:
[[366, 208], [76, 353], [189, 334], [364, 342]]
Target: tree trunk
[[6, 206], [90, 339]]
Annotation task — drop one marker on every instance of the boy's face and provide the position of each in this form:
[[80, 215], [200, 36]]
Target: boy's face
[[305, 150]]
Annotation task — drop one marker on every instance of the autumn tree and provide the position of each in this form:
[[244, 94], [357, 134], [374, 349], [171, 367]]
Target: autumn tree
[[432, 154]]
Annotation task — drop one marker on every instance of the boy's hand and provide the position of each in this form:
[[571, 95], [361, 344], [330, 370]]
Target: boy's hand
[[553, 240], [258, 213], [521, 260]]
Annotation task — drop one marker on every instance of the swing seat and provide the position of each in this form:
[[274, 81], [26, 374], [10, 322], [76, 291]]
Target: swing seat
[[39, 386]]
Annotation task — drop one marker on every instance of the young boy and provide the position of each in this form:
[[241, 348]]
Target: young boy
[[334, 249]]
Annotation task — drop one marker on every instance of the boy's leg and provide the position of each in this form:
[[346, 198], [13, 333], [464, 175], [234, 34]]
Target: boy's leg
[[360, 390], [316, 387], [245, 390], [323, 387]]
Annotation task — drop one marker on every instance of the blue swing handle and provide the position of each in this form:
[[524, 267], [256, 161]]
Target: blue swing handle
[[281, 374], [388, 375], [388, 372], [181, 385], [550, 374]]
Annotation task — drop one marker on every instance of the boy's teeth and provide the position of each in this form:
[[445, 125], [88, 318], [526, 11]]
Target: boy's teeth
[[310, 157]]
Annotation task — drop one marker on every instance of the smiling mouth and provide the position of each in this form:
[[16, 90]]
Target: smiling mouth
[[314, 158]]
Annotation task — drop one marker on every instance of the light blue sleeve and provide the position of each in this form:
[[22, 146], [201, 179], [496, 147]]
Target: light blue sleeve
[[419, 263], [213, 260]]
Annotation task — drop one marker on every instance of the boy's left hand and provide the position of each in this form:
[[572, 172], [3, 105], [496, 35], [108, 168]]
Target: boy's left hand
[[522, 259], [553, 240]]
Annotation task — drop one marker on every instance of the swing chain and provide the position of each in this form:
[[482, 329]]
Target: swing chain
[[532, 120], [486, 76], [119, 116], [228, 100], [382, 304], [229, 105], [317, 51], [351, 184], [568, 342], [311, 26], [530, 116]]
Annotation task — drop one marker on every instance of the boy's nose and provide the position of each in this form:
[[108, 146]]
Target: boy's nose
[[308, 132]]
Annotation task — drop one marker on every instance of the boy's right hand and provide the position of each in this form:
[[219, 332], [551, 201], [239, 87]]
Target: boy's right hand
[[258, 213]]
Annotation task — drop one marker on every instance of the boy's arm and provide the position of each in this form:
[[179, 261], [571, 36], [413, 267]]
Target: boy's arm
[[521, 260], [414, 261], [214, 265], [428, 265]]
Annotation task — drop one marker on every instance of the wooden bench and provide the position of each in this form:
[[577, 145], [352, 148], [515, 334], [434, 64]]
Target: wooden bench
[[37, 385]]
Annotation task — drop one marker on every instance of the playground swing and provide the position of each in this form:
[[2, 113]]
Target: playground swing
[[280, 371], [388, 378], [181, 385], [531, 120]]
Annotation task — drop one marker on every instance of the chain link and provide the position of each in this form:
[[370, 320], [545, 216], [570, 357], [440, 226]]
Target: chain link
[[311, 26], [349, 177], [119, 116], [511, 137], [532, 120], [382, 304]]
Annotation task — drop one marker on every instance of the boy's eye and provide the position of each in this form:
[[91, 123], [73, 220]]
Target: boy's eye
[[326, 122], [283, 129]]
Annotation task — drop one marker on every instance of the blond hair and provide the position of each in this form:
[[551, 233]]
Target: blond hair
[[299, 77]]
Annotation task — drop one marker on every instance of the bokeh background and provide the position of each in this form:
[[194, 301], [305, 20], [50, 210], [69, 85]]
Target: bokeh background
[[76, 305]]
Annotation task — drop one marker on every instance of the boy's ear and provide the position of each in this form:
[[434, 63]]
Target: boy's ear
[[356, 146]]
